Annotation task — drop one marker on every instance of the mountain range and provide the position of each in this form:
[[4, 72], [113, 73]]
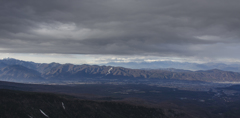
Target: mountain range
[[24, 71], [178, 65]]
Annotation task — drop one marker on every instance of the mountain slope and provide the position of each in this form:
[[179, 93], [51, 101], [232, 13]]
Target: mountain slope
[[11, 61], [19, 73], [2, 65], [82, 71], [209, 75], [178, 65], [60, 72]]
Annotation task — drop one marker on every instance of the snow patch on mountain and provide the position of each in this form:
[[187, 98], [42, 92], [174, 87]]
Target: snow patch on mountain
[[109, 71]]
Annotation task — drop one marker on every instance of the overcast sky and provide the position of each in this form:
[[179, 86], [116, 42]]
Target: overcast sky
[[196, 30]]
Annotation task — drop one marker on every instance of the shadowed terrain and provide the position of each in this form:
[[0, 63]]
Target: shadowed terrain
[[16, 104]]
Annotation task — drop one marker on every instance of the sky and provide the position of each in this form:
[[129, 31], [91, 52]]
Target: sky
[[101, 31]]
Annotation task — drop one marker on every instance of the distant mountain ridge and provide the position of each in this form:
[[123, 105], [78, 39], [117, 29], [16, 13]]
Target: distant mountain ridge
[[21, 73], [178, 65], [12, 69]]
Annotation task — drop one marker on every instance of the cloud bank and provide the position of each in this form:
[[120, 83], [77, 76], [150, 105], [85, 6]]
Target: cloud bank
[[166, 28]]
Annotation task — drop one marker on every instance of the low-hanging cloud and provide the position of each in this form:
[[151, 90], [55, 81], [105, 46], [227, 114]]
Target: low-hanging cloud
[[186, 28]]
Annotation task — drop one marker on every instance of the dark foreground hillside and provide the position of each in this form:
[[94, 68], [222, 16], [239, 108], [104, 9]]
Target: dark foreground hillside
[[16, 104]]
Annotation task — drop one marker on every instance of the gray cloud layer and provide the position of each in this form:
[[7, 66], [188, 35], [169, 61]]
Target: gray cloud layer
[[199, 28]]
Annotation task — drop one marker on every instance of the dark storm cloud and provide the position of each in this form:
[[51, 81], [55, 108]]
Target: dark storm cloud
[[141, 27]]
